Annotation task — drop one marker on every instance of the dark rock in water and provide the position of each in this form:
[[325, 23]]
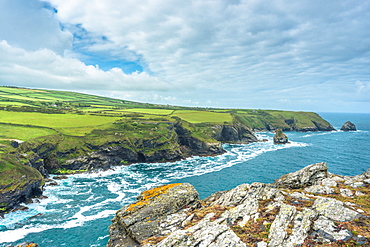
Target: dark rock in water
[[307, 176], [12, 198], [60, 177], [51, 183], [280, 137], [348, 126]]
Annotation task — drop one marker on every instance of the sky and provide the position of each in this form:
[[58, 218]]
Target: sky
[[307, 55]]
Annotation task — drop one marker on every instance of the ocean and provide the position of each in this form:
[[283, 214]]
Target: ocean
[[78, 211]]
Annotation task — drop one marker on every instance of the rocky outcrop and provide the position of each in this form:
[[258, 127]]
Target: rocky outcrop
[[18, 183], [348, 126], [280, 137], [191, 145], [304, 208], [307, 176], [235, 134], [12, 195], [142, 220]]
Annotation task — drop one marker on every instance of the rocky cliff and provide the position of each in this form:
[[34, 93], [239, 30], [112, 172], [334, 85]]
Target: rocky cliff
[[310, 207], [18, 183], [177, 142]]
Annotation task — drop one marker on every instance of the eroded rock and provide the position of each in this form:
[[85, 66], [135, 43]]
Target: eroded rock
[[142, 220], [307, 176], [348, 126], [280, 137], [254, 214]]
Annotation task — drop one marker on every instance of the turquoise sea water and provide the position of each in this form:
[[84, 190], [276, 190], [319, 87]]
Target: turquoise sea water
[[78, 211]]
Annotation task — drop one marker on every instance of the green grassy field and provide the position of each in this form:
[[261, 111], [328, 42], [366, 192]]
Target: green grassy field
[[54, 120], [163, 112], [29, 113], [23, 133], [192, 116]]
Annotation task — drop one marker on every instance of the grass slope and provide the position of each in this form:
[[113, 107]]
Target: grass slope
[[26, 114]]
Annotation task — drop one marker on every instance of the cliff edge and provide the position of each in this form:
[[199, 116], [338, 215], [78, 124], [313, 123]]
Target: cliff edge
[[310, 207]]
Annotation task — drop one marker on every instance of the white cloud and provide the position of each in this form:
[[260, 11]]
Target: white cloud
[[46, 69], [242, 53], [30, 24], [197, 42]]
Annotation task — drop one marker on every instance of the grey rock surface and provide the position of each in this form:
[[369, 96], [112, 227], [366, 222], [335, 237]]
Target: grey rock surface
[[348, 126], [280, 137], [257, 214], [310, 175]]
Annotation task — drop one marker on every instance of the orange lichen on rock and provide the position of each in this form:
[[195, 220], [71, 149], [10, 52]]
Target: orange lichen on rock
[[148, 195]]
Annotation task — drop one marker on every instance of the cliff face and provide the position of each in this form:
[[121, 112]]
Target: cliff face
[[310, 207], [18, 183], [235, 134], [179, 142]]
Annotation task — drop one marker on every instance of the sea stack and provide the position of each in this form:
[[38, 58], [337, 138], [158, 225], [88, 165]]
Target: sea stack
[[280, 137], [348, 126]]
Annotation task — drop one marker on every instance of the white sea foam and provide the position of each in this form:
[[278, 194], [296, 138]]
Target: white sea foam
[[17, 234], [125, 182]]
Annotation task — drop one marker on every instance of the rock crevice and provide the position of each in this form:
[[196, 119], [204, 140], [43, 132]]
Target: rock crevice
[[282, 214]]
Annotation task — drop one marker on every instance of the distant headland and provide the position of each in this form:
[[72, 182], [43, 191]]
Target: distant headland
[[56, 132]]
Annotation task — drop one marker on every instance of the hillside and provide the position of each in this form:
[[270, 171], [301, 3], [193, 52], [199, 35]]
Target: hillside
[[65, 132]]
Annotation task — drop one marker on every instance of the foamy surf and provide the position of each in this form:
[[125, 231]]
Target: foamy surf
[[93, 196]]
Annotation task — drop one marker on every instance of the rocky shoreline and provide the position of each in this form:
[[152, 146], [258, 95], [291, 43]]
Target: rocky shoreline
[[310, 207], [45, 158]]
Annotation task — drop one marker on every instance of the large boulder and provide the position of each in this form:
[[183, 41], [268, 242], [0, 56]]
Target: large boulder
[[280, 137], [348, 126], [307, 176], [142, 220]]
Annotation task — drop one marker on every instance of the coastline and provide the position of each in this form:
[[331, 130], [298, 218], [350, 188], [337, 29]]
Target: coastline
[[241, 164]]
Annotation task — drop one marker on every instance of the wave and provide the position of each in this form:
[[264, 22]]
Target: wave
[[93, 196]]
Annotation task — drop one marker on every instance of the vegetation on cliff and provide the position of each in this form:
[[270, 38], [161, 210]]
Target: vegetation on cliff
[[66, 132], [17, 182]]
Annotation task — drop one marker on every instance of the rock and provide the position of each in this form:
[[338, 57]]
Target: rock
[[307, 176], [14, 144], [261, 244], [254, 214], [348, 126], [334, 209], [235, 134], [277, 231], [367, 173], [205, 233], [25, 184], [60, 177], [318, 189], [140, 221], [346, 192], [52, 183], [301, 226], [329, 182], [326, 231], [280, 137], [24, 244]]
